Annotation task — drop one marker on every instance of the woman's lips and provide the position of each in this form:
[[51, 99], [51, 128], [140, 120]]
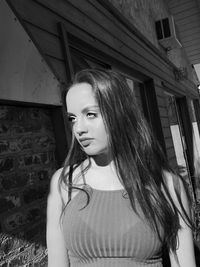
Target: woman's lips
[[85, 142]]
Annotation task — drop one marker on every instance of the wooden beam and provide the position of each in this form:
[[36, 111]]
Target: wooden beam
[[67, 55]]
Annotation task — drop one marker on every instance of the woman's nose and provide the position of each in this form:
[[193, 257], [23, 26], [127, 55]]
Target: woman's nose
[[80, 127]]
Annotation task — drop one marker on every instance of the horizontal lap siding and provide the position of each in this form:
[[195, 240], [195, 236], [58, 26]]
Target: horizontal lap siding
[[50, 46], [169, 142], [47, 43], [45, 34], [92, 23], [48, 23], [86, 16], [163, 112]]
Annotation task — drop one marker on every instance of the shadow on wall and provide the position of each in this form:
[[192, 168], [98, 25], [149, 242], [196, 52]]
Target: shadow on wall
[[27, 162], [197, 253]]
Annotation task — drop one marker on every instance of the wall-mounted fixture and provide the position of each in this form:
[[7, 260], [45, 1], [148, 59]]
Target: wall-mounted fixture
[[181, 74], [166, 33]]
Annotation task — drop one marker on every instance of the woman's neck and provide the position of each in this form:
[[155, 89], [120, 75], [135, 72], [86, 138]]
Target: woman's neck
[[103, 176], [102, 160]]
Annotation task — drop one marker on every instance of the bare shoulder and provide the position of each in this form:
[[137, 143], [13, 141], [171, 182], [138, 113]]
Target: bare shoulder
[[58, 187], [55, 178], [58, 190]]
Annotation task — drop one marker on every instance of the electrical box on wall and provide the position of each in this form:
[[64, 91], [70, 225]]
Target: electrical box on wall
[[166, 33]]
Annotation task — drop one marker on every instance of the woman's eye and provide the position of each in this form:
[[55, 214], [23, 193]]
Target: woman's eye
[[91, 115], [71, 119]]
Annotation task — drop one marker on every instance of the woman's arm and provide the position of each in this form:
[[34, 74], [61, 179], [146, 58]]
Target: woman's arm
[[185, 250], [57, 253]]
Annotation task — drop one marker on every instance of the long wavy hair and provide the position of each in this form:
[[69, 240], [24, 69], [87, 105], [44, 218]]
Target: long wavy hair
[[137, 156]]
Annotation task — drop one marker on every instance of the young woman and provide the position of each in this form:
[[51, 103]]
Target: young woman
[[116, 202]]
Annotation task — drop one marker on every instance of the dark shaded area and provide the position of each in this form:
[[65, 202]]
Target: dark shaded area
[[27, 162], [197, 252]]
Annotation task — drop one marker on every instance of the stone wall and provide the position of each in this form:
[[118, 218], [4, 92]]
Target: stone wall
[[26, 163]]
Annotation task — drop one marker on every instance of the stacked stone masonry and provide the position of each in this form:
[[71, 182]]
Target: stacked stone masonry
[[27, 162]]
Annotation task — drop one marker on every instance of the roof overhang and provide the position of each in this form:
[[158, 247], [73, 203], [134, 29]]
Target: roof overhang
[[186, 14]]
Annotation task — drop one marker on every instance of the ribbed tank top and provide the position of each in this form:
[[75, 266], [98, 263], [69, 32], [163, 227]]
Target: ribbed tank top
[[107, 232]]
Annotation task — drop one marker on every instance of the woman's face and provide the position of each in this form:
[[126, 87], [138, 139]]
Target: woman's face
[[87, 122]]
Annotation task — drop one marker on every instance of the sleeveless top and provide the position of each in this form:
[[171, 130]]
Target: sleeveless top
[[107, 232]]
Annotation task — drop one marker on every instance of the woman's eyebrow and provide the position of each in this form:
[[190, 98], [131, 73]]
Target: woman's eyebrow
[[90, 107], [85, 109], [70, 114]]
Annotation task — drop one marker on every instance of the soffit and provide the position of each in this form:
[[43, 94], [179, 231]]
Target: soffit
[[186, 15]]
